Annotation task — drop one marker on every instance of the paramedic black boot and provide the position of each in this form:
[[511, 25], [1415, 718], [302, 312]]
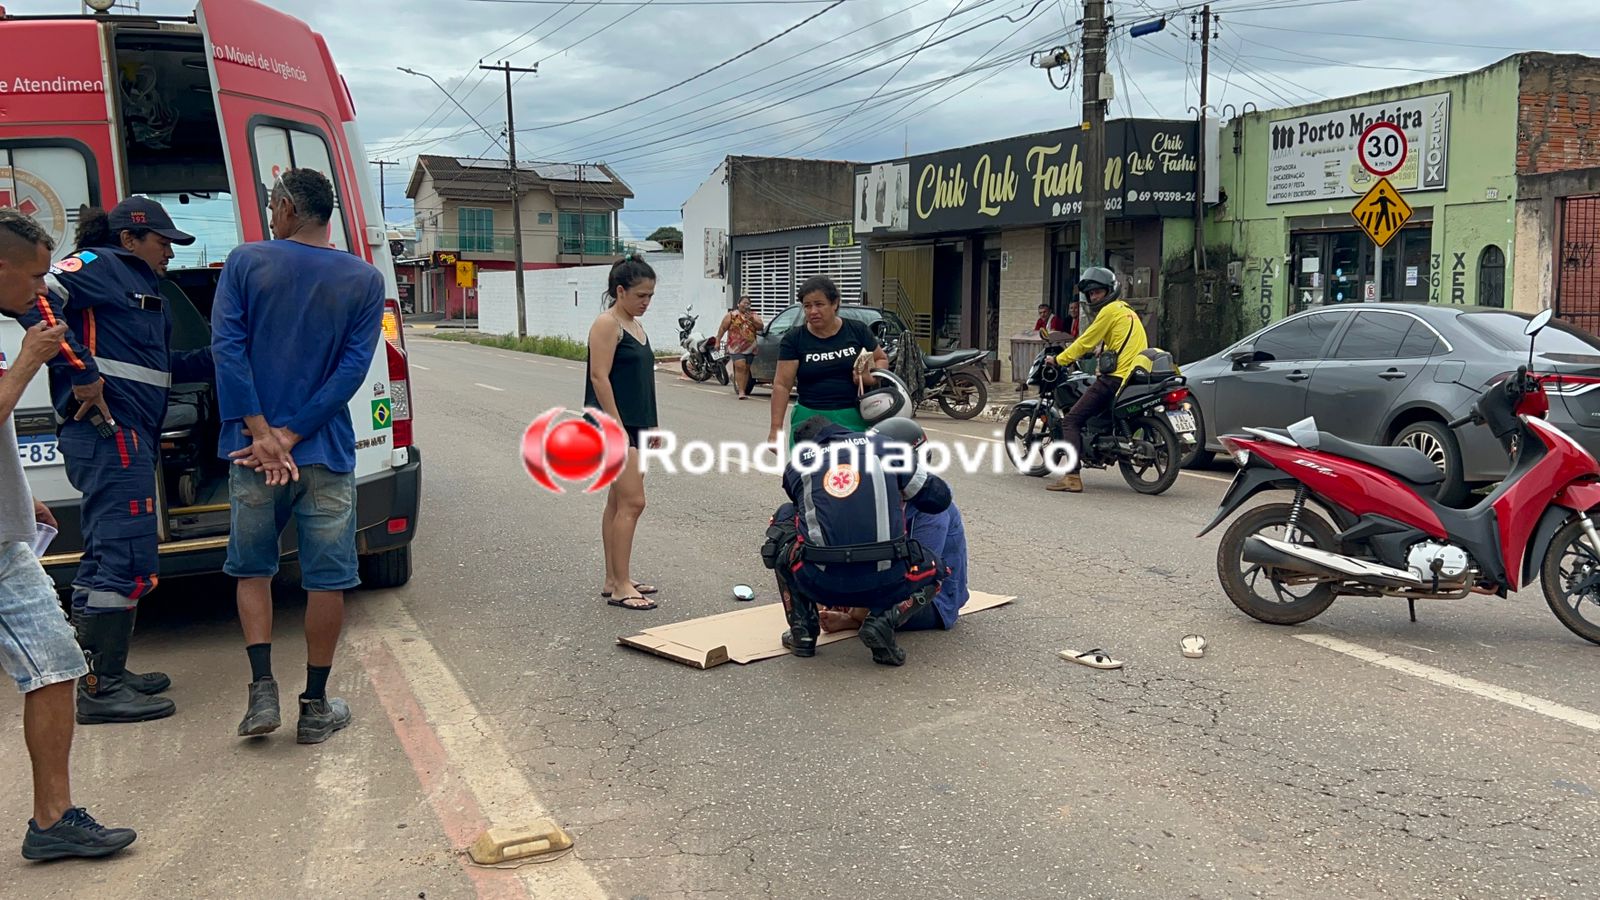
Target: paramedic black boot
[[148, 683], [801, 638], [104, 695], [877, 632]]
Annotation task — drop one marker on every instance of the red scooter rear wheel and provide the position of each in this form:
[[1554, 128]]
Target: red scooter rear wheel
[[1261, 593]]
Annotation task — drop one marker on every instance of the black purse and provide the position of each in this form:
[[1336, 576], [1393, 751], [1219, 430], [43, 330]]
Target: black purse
[[1107, 360]]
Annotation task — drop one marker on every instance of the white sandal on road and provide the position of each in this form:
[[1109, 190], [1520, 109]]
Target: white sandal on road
[[1094, 659], [1193, 645]]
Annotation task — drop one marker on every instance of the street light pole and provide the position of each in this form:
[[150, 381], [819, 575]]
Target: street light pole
[[516, 195]]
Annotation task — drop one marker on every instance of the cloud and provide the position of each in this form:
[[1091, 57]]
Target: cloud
[[1272, 53]]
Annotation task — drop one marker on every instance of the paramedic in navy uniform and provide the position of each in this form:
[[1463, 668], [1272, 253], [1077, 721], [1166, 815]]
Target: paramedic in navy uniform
[[109, 383]]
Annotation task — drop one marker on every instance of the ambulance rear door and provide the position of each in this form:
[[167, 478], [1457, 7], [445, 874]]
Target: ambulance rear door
[[58, 151], [282, 104]]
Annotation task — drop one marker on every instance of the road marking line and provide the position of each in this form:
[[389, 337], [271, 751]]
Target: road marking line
[[960, 435], [465, 771], [420, 366], [1220, 478], [488, 386], [1462, 683]]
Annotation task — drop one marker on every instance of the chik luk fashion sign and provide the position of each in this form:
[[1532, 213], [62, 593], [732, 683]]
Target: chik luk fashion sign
[[1151, 170], [1319, 157]]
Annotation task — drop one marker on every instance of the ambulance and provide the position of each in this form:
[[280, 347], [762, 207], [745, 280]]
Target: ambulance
[[199, 113]]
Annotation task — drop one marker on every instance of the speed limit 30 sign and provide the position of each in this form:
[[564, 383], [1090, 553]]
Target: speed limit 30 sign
[[1383, 148]]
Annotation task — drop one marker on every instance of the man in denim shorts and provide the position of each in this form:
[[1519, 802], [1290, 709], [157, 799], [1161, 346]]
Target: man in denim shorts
[[37, 648], [294, 329]]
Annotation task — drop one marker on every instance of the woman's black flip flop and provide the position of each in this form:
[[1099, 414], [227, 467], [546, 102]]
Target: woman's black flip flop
[[623, 602]]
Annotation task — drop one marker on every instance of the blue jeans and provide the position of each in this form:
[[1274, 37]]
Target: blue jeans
[[37, 647], [323, 505]]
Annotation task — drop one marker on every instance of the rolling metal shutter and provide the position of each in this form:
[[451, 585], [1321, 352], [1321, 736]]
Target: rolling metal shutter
[[765, 277], [842, 264]]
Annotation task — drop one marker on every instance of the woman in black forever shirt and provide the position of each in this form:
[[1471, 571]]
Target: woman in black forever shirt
[[622, 384], [821, 358]]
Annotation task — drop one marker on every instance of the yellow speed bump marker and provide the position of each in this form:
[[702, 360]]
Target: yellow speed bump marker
[[502, 845]]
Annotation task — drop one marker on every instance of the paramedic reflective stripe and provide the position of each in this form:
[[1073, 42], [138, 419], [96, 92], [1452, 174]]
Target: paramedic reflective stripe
[[880, 494], [131, 372], [808, 508]]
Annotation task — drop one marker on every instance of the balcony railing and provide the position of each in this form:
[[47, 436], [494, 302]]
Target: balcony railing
[[574, 245], [472, 243]]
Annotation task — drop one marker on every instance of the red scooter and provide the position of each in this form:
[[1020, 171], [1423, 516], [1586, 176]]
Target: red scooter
[[1283, 563]]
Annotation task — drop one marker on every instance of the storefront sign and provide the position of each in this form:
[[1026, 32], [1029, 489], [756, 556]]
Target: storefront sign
[[1318, 157], [1151, 170]]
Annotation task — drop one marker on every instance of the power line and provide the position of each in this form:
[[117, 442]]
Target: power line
[[831, 6], [905, 62], [1403, 40]]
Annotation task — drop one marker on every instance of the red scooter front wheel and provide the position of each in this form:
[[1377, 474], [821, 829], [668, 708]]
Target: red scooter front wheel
[[1571, 576]]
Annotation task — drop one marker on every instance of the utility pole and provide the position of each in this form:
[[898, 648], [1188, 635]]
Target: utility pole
[[516, 194], [1092, 224], [1205, 35], [383, 194]]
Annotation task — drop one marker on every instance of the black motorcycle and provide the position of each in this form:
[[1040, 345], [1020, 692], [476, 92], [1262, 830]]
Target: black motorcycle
[[1136, 435], [957, 381]]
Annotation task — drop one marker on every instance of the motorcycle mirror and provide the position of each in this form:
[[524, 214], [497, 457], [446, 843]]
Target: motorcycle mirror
[[1538, 322]]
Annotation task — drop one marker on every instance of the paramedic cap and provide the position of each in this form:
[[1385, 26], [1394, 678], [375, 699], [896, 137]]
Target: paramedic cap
[[141, 212]]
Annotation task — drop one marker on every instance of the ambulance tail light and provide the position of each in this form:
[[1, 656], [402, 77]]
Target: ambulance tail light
[[394, 342]]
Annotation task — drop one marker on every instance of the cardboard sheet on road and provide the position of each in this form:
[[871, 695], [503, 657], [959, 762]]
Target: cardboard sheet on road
[[746, 635]]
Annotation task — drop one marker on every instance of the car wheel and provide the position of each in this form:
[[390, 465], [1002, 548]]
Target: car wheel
[[389, 569], [1436, 442]]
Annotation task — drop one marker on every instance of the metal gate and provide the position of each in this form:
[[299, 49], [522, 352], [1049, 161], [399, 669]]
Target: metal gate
[[1578, 263]]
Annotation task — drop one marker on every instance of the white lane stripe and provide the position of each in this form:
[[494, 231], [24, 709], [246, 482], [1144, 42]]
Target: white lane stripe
[[470, 739], [1462, 683], [487, 386], [1221, 478], [422, 367]]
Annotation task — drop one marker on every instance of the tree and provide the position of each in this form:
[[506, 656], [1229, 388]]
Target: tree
[[666, 233]]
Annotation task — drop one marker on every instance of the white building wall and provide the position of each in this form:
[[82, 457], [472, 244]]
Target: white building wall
[[565, 301], [706, 210]]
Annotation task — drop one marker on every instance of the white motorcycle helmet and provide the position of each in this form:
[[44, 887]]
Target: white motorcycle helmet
[[888, 400]]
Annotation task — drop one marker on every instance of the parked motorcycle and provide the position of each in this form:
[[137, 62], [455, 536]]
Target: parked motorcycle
[[957, 381], [1389, 538], [700, 360], [1139, 435]]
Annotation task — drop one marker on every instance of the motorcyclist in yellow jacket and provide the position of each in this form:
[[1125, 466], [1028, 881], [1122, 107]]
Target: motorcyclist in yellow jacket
[[1120, 337]]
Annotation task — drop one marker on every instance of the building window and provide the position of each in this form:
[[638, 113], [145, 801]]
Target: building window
[[587, 233], [476, 227], [547, 218], [1492, 277]]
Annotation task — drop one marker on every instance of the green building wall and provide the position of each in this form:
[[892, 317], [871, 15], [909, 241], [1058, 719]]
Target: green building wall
[[1475, 210]]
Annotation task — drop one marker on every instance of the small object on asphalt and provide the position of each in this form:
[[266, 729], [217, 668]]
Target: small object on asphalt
[[638, 586], [1094, 659], [1194, 646], [499, 845], [744, 593]]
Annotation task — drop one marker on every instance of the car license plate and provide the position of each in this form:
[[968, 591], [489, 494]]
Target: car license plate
[[1182, 421], [39, 450]]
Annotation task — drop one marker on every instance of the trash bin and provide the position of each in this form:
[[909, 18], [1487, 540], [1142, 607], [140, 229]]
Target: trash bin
[[1024, 348]]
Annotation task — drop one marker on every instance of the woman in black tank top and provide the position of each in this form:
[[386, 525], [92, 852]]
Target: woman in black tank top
[[621, 382]]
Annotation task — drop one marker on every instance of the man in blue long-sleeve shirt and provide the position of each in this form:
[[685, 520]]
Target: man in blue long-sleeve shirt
[[294, 329]]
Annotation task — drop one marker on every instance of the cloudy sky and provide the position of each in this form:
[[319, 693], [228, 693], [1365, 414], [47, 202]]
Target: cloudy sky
[[850, 79]]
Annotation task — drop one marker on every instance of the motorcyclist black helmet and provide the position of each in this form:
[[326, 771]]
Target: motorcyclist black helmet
[[1102, 278], [901, 430]]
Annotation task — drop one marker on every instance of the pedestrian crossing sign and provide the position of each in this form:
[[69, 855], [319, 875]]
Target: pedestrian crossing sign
[[382, 413], [1382, 212]]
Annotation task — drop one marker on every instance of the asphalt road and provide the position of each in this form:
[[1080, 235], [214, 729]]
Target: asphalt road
[[1360, 755]]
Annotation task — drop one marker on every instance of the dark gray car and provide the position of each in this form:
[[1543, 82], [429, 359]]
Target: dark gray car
[[884, 324], [1394, 374]]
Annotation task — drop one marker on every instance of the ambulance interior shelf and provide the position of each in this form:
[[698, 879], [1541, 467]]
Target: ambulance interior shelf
[[193, 480]]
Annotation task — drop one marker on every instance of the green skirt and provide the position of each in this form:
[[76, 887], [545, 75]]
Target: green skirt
[[850, 418]]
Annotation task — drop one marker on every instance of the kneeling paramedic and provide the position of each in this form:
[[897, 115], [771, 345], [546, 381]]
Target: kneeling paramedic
[[842, 540], [116, 357]]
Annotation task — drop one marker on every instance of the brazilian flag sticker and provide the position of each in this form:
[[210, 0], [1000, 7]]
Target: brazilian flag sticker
[[382, 413]]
